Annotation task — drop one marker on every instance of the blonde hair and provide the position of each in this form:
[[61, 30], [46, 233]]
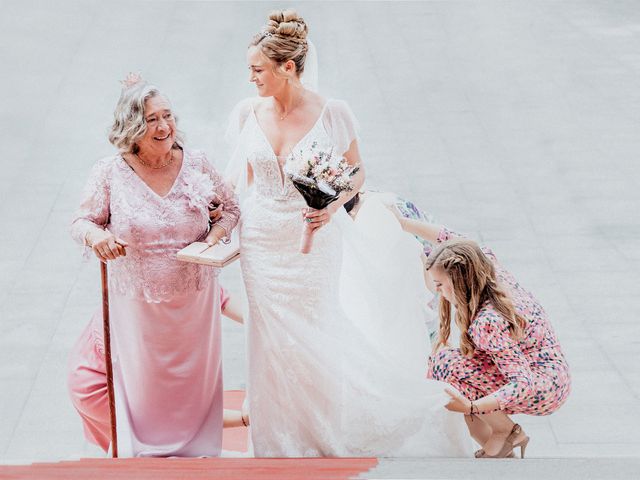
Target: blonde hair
[[474, 282], [284, 38], [129, 123]]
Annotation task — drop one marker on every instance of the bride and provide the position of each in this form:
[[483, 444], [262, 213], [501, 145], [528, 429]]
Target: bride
[[336, 358]]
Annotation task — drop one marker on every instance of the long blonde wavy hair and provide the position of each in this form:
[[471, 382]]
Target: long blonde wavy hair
[[474, 282]]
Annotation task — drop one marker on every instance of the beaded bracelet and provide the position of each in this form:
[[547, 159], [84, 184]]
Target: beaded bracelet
[[471, 409]]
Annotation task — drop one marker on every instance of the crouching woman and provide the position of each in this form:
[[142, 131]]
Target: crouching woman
[[509, 360]]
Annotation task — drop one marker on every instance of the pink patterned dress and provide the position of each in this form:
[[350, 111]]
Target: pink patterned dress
[[165, 314], [529, 376]]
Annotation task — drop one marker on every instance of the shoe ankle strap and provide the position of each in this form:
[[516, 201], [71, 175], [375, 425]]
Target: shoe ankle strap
[[515, 431]]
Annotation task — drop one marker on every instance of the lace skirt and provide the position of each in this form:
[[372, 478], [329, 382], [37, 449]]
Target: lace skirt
[[316, 385]]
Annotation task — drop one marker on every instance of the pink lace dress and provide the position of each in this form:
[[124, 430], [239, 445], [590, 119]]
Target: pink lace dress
[[165, 314]]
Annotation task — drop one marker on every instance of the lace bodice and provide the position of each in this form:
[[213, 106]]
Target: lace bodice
[[155, 227], [269, 177], [335, 130]]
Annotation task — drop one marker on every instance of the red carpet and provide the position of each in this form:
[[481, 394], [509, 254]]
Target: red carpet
[[187, 468], [234, 439]]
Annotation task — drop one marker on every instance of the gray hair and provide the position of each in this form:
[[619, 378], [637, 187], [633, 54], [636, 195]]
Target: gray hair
[[129, 124]]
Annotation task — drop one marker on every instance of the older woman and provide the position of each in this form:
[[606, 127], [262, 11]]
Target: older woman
[[140, 207]]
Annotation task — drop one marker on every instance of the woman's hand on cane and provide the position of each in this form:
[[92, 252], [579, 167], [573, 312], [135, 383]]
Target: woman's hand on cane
[[106, 246]]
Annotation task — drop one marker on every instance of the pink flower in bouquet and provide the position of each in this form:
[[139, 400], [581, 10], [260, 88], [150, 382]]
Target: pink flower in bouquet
[[317, 171]]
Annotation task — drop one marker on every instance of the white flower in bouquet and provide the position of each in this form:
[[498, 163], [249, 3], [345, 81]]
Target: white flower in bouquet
[[323, 168]]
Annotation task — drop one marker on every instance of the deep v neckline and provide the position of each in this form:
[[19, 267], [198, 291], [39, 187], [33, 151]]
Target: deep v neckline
[[146, 185], [303, 138]]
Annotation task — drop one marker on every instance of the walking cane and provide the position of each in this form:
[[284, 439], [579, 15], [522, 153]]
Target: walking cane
[[107, 357]]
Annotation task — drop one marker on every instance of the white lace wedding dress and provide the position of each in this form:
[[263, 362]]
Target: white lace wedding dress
[[336, 353]]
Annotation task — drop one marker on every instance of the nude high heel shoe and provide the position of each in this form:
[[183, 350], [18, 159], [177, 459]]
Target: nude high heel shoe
[[480, 453], [508, 446]]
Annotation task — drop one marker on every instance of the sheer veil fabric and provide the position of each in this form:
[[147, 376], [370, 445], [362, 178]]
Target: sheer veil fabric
[[310, 76]]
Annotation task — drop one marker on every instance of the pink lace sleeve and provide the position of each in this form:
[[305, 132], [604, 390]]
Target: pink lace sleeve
[[224, 191], [93, 212]]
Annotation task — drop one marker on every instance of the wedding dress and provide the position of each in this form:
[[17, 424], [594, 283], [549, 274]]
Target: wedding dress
[[336, 340]]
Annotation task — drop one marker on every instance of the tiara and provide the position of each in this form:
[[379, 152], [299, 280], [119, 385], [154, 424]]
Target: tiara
[[131, 80], [265, 34]]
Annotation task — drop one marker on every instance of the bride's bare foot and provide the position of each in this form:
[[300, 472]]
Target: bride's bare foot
[[235, 418], [245, 418]]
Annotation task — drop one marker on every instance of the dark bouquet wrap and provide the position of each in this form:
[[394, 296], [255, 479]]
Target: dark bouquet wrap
[[320, 182], [317, 195]]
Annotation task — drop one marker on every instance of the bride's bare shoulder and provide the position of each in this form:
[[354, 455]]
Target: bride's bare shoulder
[[315, 99], [315, 103]]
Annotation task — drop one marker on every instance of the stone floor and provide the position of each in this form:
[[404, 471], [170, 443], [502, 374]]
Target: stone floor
[[514, 121]]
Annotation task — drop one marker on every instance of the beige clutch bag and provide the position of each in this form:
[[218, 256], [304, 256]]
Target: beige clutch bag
[[217, 256]]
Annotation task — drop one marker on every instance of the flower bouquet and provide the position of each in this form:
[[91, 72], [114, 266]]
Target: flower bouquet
[[320, 178]]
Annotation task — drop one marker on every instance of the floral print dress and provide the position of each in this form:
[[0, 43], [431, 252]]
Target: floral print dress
[[408, 209], [529, 376]]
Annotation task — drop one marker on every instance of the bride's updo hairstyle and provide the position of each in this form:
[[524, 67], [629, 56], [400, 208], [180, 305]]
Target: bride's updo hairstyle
[[284, 38]]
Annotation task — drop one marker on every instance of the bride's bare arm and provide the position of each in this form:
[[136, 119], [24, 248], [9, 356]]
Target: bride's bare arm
[[353, 158], [249, 175]]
